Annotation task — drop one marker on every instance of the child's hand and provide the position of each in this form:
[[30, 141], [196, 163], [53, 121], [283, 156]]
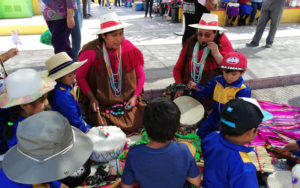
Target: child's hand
[[178, 94], [192, 84], [292, 146], [131, 102]]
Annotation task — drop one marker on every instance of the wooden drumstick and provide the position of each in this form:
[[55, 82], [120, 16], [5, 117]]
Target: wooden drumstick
[[102, 123]]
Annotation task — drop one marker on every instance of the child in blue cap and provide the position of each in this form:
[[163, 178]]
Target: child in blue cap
[[226, 160]]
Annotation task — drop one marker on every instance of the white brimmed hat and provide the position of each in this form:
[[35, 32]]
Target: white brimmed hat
[[25, 86], [48, 149], [61, 64], [209, 22], [110, 22]]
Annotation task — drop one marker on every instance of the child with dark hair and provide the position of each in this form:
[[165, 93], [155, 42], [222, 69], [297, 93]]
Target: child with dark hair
[[25, 95], [161, 163], [223, 88], [226, 159], [63, 99]]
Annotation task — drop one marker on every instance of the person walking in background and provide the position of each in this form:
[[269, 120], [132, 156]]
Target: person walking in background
[[86, 9], [271, 10], [149, 4], [256, 4], [107, 2], [76, 31], [117, 2], [59, 16], [245, 11], [192, 12]]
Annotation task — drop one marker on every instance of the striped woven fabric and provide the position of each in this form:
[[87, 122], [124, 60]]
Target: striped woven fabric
[[284, 127]]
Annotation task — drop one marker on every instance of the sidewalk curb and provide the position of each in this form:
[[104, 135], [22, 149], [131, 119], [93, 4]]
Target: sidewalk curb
[[262, 83]]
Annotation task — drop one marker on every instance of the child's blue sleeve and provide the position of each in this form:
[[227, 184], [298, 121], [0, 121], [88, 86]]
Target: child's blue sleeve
[[128, 174], [246, 92], [55, 184], [193, 169], [207, 90], [298, 143], [68, 107]]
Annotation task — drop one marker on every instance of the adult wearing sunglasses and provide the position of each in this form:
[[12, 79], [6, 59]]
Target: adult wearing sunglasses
[[201, 55]]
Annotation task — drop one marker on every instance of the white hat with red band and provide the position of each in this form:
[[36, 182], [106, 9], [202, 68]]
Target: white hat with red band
[[110, 22], [209, 22]]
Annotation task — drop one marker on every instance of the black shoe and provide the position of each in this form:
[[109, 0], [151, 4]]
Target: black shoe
[[268, 45], [86, 17], [90, 15], [251, 44]]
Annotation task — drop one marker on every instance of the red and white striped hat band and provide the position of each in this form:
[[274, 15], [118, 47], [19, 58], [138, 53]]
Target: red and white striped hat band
[[110, 24], [209, 22], [212, 23]]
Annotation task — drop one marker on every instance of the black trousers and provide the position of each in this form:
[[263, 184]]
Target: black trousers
[[84, 4], [149, 4]]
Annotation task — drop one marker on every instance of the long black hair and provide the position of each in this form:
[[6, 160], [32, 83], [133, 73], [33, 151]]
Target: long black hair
[[8, 129]]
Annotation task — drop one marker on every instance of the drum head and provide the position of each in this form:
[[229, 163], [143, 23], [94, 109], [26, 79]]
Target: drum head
[[191, 110]]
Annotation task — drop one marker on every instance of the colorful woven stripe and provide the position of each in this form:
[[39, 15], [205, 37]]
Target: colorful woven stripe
[[284, 126]]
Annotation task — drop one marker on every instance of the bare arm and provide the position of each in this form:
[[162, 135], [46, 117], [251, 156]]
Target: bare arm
[[70, 18], [126, 186], [195, 181], [9, 54]]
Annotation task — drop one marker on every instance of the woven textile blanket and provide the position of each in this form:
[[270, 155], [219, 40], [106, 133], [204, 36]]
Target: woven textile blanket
[[284, 127]]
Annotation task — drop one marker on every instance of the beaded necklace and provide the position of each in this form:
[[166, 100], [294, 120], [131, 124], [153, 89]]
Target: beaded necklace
[[197, 68], [117, 77]]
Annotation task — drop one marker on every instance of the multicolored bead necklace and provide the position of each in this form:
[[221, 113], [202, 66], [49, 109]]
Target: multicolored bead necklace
[[197, 68], [114, 78]]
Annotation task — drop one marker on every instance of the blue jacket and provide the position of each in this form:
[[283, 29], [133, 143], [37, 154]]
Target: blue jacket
[[64, 101], [13, 141], [222, 93], [227, 165]]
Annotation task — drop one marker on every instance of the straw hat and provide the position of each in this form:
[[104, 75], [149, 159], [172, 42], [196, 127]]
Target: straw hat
[[209, 22], [61, 64], [25, 86], [48, 149], [110, 22]]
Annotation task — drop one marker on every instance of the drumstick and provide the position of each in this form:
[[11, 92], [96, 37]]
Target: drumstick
[[102, 123], [100, 117]]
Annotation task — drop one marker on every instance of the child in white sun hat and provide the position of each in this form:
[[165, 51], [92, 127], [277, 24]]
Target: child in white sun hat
[[63, 99], [25, 95]]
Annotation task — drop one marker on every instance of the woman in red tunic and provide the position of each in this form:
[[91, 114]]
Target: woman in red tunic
[[112, 79], [201, 56]]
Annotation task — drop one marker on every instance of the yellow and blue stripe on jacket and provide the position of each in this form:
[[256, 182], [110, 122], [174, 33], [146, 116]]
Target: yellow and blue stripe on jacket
[[222, 93]]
